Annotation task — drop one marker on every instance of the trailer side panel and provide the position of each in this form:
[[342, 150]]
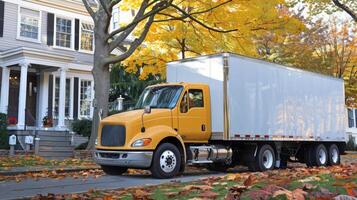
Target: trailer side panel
[[270, 101]]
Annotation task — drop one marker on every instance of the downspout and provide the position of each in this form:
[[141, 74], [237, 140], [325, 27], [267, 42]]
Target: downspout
[[225, 97]]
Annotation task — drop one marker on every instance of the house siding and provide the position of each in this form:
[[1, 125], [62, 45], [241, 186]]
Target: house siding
[[10, 41]]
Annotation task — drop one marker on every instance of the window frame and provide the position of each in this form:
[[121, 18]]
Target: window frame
[[71, 89], [18, 34], [188, 97], [80, 116], [55, 33], [80, 38], [351, 121]]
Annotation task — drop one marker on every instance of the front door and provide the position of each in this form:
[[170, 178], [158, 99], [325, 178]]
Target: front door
[[192, 116]]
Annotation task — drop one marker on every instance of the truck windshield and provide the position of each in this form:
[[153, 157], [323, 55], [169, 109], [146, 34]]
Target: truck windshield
[[159, 97]]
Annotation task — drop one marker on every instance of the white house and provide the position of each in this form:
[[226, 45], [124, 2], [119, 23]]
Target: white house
[[46, 57]]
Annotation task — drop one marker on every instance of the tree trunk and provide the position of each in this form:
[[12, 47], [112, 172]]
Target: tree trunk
[[101, 77]]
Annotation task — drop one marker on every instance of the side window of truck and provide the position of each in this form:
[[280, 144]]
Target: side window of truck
[[195, 98], [184, 104]]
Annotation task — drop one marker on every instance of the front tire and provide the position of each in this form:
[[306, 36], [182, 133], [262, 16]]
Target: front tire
[[114, 170], [166, 161], [334, 155]]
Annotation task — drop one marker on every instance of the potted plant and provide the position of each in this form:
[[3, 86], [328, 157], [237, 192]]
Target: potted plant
[[47, 121], [12, 121]]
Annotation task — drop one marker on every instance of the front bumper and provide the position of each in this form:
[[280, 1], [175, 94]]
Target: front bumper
[[134, 159]]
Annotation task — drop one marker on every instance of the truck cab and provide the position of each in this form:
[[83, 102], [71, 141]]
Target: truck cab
[[166, 118]]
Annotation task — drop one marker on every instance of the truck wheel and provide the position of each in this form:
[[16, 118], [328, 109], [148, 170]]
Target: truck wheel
[[264, 160], [166, 162], [334, 155], [309, 156], [114, 170], [319, 155]]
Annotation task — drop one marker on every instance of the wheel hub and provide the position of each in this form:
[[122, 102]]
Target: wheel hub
[[322, 156], [334, 156], [167, 161], [268, 159]]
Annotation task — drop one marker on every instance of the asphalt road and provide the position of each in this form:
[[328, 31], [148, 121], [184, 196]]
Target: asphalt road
[[30, 187]]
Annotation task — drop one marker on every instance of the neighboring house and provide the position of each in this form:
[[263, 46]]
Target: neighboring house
[[46, 58], [352, 123]]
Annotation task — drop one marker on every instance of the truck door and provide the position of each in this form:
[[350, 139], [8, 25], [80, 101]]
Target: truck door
[[192, 116]]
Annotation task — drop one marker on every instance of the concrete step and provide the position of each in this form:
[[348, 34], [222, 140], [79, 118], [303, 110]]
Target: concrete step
[[55, 143], [53, 133], [54, 138], [56, 148]]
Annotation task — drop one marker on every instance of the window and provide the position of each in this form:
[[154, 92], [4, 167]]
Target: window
[[85, 98], [184, 104], [29, 24], [350, 118], [115, 18], [195, 98], [67, 98], [87, 37], [63, 32]]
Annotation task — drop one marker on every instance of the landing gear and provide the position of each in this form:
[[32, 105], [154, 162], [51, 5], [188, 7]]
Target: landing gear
[[166, 162]]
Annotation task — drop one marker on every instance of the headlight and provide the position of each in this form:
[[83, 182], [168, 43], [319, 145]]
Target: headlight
[[141, 142], [96, 142]]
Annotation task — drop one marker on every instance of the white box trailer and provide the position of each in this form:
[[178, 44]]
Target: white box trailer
[[253, 99]]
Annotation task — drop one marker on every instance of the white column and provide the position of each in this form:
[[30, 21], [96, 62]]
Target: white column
[[22, 95], [4, 99], [43, 100], [62, 98]]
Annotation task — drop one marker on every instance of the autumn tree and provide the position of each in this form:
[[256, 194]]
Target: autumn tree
[[172, 40], [146, 13]]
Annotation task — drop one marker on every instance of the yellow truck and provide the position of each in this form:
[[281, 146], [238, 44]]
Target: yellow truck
[[224, 110]]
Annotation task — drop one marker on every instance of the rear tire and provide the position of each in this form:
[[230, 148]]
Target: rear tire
[[264, 160], [166, 161], [333, 155], [319, 155], [114, 170]]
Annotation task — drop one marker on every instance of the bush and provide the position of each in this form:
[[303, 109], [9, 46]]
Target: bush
[[4, 137], [82, 127], [82, 146], [351, 145]]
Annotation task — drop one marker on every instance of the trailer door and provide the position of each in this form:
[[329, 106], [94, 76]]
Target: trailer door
[[192, 116]]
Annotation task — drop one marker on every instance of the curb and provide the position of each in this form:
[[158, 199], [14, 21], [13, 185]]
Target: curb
[[62, 170]]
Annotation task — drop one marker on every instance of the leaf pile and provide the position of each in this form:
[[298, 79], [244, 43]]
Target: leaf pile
[[7, 163], [84, 175], [336, 182]]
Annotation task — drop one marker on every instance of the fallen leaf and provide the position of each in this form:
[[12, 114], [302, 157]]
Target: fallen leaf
[[250, 180]]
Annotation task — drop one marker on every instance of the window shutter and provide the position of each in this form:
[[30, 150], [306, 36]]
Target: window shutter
[[50, 95], [2, 12], [50, 28], [76, 38], [75, 96]]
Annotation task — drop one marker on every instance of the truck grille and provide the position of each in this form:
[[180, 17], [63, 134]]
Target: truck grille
[[113, 135]]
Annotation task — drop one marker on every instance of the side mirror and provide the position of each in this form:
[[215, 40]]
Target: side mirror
[[147, 109]]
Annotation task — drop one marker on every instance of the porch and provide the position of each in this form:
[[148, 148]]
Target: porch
[[36, 84]]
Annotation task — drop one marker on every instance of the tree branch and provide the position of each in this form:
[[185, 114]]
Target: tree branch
[[133, 45], [187, 15], [346, 9], [157, 8], [89, 9], [104, 4]]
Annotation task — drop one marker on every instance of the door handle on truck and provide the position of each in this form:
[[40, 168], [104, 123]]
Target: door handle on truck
[[203, 127]]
